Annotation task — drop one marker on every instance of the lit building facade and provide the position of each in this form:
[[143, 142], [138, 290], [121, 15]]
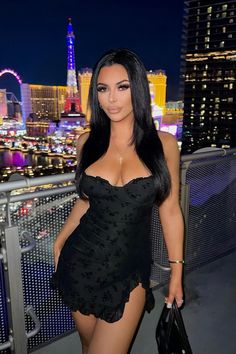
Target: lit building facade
[[209, 75], [158, 80], [37, 127], [3, 103], [84, 79], [45, 101]]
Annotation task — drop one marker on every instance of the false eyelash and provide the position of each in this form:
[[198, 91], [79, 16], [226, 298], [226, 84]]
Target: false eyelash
[[124, 86], [101, 88]]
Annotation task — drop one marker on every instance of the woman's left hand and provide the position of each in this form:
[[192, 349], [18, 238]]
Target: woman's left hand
[[175, 292]]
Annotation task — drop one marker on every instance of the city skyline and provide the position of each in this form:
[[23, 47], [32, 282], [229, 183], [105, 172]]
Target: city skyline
[[34, 42]]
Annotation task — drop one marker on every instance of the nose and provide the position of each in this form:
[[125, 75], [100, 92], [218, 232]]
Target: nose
[[112, 96]]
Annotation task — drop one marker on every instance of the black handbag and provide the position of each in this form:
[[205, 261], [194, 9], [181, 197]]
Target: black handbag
[[171, 335]]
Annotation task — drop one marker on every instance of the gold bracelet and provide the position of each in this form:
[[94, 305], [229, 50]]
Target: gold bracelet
[[177, 261]]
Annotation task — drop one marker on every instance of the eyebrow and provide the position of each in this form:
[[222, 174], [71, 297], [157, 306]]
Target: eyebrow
[[101, 83]]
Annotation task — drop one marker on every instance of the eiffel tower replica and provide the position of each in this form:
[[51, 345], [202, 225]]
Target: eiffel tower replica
[[72, 114]]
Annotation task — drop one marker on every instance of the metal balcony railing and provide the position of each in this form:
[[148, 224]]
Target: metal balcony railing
[[32, 211]]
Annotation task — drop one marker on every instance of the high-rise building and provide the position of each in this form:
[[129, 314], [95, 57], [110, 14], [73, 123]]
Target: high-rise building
[[45, 101], [209, 74], [158, 80], [84, 78]]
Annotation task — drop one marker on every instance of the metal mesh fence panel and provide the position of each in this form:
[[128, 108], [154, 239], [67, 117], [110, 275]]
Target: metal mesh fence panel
[[159, 251], [43, 218], [212, 210]]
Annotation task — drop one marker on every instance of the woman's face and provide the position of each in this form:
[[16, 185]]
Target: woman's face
[[114, 94]]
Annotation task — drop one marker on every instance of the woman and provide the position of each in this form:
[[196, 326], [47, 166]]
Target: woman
[[102, 254]]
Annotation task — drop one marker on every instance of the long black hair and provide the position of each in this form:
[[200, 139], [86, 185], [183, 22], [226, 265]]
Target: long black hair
[[145, 138]]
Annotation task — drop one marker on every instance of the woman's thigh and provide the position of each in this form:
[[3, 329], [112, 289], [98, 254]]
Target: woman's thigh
[[85, 325], [115, 338]]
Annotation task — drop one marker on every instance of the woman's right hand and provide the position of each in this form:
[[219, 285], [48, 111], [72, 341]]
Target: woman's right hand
[[56, 253]]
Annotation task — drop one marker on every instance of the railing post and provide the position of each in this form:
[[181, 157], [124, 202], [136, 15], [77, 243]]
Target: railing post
[[184, 198], [14, 288]]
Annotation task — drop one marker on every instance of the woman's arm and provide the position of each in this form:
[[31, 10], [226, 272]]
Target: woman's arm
[[78, 210], [73, 220], [171, 218]]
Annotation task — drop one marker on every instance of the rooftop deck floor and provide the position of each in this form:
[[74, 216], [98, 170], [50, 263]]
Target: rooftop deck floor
[[209, 314]]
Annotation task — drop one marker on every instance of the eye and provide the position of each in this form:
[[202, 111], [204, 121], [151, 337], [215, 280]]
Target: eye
[[101, 88], [124, 87]]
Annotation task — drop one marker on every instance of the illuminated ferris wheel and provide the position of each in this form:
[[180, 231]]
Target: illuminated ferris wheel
[[12, 72]]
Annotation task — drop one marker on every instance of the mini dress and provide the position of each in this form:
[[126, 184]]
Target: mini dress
[[109, 252]]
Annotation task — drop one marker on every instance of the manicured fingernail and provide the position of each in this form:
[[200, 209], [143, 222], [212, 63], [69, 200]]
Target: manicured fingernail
[[169, 305]]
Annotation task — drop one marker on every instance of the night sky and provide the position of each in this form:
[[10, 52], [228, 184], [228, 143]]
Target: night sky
[[33, 43]]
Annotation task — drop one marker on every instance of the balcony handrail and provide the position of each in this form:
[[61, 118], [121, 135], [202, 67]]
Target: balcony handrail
[[39, 194], [36, 181], [207, 154], [68, 177]]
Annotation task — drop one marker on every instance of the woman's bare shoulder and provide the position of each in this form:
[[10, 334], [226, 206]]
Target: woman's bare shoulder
[[80, 142], [82, 138], [169, 143]]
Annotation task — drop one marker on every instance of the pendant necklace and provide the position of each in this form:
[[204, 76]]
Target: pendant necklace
[[120, 157]]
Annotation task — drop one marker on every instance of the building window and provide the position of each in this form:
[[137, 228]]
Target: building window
[[224, 7], [224, 14], [204, 86], [208, 32], [208, 24], [230, 35], [196, 46], [223, 29], [207, 45], [207, 39], [231, 86], [222, 43], [209, 9], [231, 20], [230, 99]]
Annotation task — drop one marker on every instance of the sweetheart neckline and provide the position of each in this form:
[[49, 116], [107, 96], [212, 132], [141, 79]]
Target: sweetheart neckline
[[112, 185]]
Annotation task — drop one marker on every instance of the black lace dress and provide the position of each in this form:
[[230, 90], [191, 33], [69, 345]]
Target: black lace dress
[[109, 252]]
